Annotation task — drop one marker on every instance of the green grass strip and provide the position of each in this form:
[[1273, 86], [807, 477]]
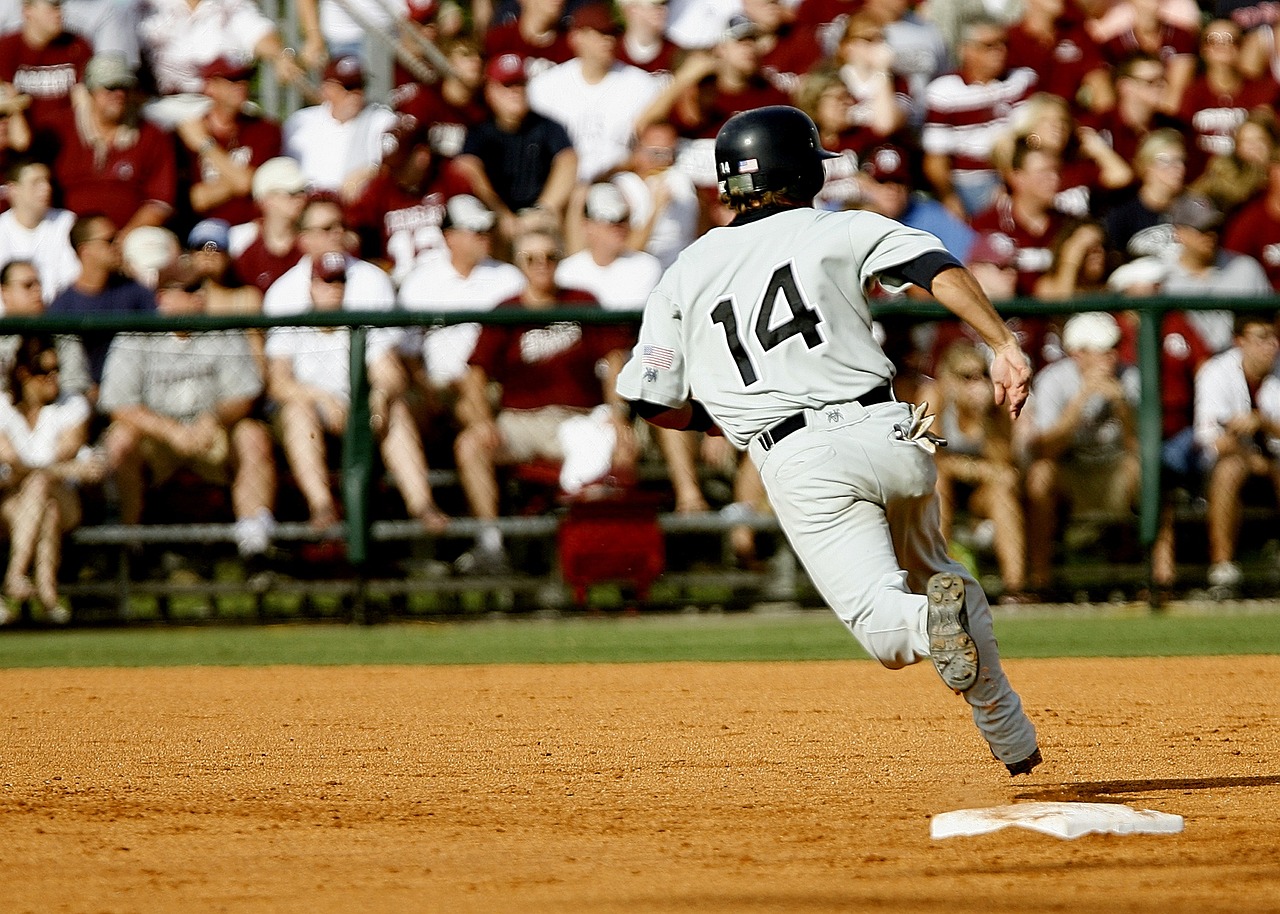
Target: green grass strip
[[746, 637]]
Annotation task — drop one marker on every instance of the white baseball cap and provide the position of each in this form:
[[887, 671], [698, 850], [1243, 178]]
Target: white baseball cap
[[1092, 331], [605, 203], [279, 175], [468, 213]]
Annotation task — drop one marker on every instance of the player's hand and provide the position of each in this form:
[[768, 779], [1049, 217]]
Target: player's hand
[[1011, 378]]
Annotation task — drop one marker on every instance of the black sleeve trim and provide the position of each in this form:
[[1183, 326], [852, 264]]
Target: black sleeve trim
[[701, 420], [646, 410], [924, 268]]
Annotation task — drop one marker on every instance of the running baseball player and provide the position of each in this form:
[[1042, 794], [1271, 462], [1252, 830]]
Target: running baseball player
[[762, 330]]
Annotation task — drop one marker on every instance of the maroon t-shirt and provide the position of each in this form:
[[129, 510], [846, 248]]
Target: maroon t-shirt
[[506, 39], [1254, 229], [122, 180], [1182, 352], [1033, 252], [256, 266], [1061, 62], [718, 106], [252, 141], [547, 365], [1214, 116], [797, 52], [447, 123], [412, 217], [46, 74]]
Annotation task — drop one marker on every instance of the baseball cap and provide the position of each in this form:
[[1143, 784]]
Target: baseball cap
[[279, 175], [346, 71], [740, 28], [1196, 211], [993, 248], [596, 16], [887, 164], [149, 247], [109, 71], [507, 70], [331, 266], [210, 235], [178, 274], [228, 68], [1092, 331], [423, 11], [605, 203], [466, 212]]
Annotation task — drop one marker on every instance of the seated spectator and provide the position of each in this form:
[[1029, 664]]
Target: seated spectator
[[1139, 226], [644, 42], [1237, 429], [20, 296], [208, 250], [619, 278], [538, 36], [44, 61], [100, 288], [1234, 178], [1079, 265], [398, 214], [32, 229], [554, 403], [1051, 39], [180, 400], [1151, 28], [517, 159], [596, 98], [1082, 442], [662, 200], [222, 148], [786, 50], [1254, 229], [178, 39], [108, 160], [42, 435], [454, 104], [338, 143], [881, 99], [310, 382], [264, 249], [1141, 89], [977, 471]]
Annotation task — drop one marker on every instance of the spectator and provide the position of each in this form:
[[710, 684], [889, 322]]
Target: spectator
[[1079, 265], [222, 148], [619, 278], [554, 403], [888, 190], [338, 143], [1219, 99], [977, 472], [644, 42], [398, 214], [263, 250], [1140, 90], [1232, 179], [517, 159], [1090, 171], [208, 251], [1255, 229], [1082, 443], [1051, 39], [595, 97], [179, 37], [786, 50], [110, 162], [1139, 226], [44, 61], [31, 229], [966, 112], [20, 296], [663, 201], [100, 288], [537, 36], [110, 27], [42, 435], [1237, 428], [310, 382], [1143, 27], [451, 107], [920, 53], [881, 99], [184, 400], [1202, 269]]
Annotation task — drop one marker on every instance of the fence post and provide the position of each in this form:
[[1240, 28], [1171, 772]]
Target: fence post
[[357, 455], [1150, 420]]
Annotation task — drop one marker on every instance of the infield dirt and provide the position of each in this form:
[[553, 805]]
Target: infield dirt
[[797, 787]]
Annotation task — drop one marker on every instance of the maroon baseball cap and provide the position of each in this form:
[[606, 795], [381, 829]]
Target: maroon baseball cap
[[596, 16], [506, 70], [346, 72], [227, 68], [330, 266], [423, 11]]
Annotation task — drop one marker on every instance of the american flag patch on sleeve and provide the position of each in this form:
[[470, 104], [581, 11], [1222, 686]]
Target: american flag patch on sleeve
[[657, 357]]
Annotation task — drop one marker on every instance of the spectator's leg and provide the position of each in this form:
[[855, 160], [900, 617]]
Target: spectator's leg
[[304, 446], [125, 459], [61, 511], [474, 450], [405, 459], [748, 489], [1222, 492], [1001, 500], [253, 489], [1042, 521], [679, 452], [24, 512], [1163, 566]]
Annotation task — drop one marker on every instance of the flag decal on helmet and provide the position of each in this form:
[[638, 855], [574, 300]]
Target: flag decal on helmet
[[748, 166]]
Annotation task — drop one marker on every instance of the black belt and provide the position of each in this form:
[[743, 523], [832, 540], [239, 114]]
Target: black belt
[[779, 430]]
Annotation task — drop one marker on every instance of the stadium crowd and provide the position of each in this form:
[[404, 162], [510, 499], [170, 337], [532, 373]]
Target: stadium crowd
[[546, 152]]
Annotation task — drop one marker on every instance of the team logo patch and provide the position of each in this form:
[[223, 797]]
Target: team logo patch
[[657, 357], [748, 166], [650, 375]]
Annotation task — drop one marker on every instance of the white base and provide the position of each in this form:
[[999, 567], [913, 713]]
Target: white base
[[1062, 820]]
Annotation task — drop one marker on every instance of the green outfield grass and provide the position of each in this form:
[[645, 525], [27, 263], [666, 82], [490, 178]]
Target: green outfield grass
[[803, 636]]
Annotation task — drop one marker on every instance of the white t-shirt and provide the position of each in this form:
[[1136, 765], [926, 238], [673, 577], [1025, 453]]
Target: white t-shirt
[[38, 446], [436, 286], [1222, 394], [48, 246], [179, 39], [321, 357], [621, 286], [600, 118], [368, 289], [677, 224], [328, 151]]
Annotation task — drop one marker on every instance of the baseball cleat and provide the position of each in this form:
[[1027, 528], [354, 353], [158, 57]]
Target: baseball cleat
[[952, 650], [1025, 766]]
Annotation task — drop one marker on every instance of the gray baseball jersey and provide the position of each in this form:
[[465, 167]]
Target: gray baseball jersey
[[775, 309]]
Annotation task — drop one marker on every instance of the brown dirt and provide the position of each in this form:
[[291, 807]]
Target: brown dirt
[[675, 787]]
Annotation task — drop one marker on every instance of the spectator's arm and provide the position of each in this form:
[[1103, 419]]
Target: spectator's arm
[[152, 212], [282, 384], [314, 50], [1113, 171], [696, 67], [234, 179], [151, 424], [472, 169], [1179, 71], [560, 182]]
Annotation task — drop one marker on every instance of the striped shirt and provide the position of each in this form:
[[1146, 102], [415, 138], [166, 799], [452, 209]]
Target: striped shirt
[[964, 119]]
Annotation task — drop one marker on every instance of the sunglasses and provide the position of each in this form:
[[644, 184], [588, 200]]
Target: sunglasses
[[538, 257]]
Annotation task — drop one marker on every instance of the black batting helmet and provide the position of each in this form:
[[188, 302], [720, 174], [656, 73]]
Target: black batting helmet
[[775, 148]]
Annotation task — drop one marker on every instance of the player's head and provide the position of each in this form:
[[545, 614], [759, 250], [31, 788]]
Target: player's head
[[774, 151]]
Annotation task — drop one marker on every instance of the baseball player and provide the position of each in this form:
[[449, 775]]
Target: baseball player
[[761, 329]]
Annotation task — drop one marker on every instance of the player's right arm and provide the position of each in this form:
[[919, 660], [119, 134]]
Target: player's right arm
[[958, 292]]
